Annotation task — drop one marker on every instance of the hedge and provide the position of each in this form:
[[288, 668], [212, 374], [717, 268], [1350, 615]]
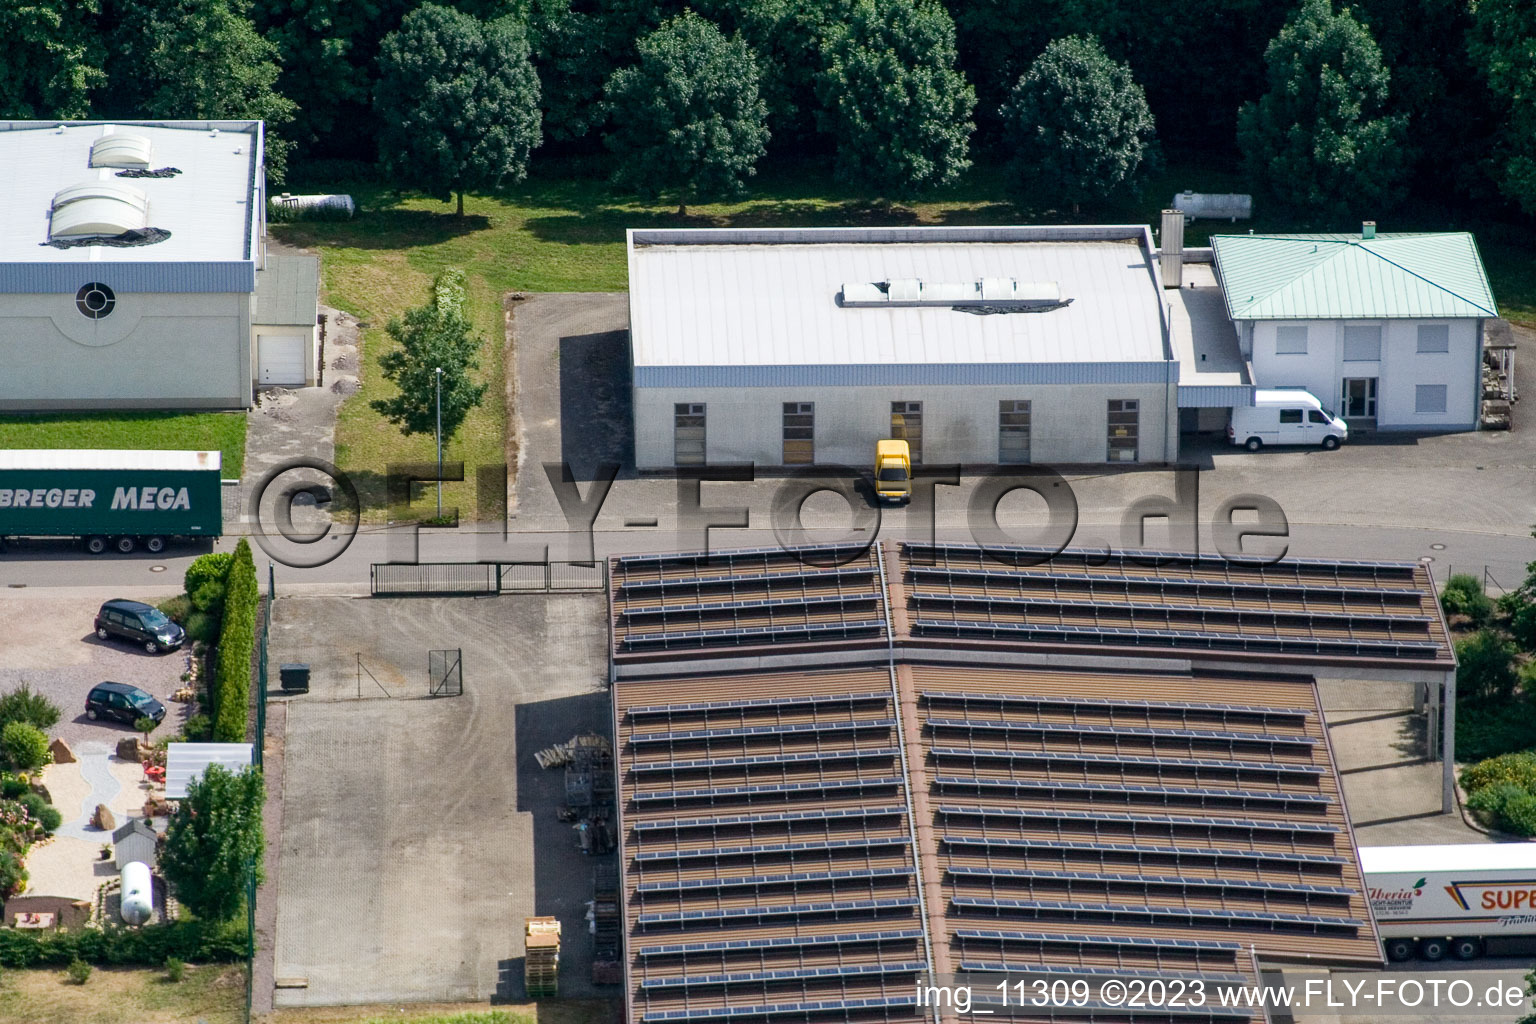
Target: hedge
[[237, 642], [185, 940]]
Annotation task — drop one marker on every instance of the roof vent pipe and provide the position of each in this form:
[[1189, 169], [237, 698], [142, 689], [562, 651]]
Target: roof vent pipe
[[1171, 251], [1368, 230]]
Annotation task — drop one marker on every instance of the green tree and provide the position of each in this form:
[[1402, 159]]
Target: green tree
[[52, 60], [199, 59], [1485, 667], [231, 688], [1078, 125], [892, 99], [22, 705], [437, 334], [458, 102], [687, 117], [579, 45], [1322, 141], [1502, 43], [24, 746], [214, 842]]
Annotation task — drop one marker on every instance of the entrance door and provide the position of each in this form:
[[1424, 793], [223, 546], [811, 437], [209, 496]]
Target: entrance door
[[1359, 398], [907, 425]]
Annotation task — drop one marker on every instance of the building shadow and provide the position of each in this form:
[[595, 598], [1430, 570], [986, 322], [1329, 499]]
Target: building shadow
[[596, 410]]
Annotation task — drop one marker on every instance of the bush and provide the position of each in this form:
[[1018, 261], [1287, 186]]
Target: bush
[[1488, 730], [1508, 806], [42, 812], [176, 608], [1485, 667], [210, 568], [1522, 621], [78, 971], [1463, 595], [197, 729], [13, 876], [24, 746], [202, 627], [209, 598], [1517, 769], [149, 946], [237, 642], [22, 705], [175, 968], [13, 786]]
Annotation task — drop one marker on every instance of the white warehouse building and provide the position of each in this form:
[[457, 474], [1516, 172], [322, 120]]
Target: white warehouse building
[[978, 345], [134, 272]]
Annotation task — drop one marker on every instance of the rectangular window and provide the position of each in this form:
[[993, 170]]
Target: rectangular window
[[1123, 423], [1290, 341], [799, 433], [1362, 344], [688, 434], [1434, 338], [1012, 431], [1429, 398], [1290, 415], [907, 425]]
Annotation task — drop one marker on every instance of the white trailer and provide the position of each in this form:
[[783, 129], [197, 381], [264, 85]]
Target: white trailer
[[1439, 900]]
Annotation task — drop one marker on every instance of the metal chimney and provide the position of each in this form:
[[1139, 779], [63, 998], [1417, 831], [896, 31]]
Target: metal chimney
[[1368, 230], [1171, 252]]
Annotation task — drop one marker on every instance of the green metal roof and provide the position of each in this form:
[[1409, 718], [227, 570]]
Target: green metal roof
[[1307, 277]]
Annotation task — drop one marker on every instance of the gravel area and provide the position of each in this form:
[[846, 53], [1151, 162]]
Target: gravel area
[[49, 643]]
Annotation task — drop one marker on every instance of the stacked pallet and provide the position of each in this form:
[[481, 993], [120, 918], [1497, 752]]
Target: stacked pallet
[[607, 968], [541, 963]]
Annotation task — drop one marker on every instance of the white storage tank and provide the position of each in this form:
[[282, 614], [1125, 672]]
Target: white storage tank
[[337, 206], [138, 899]]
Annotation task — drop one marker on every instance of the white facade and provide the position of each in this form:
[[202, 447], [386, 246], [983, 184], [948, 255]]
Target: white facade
[[1406, 392]]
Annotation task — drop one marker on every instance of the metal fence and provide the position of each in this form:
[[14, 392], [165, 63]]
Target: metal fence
[[394, 579]]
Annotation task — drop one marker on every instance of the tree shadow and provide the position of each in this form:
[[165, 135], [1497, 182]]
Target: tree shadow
[[388, 228]]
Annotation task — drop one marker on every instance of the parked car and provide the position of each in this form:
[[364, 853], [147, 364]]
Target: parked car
[[140, 623], [122, 703], [1285, 416]]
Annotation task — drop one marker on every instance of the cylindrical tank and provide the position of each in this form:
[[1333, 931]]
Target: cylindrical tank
[[338, 206], [138, 903]]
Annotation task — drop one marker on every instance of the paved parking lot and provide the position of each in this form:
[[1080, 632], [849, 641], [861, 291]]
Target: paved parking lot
[[418, 832]]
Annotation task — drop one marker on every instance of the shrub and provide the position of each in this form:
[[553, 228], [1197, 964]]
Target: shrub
[[1488, 730], [24, 746], [1463, 595], [1522, 621], [209, 597], [78, 971], [42, 812], [12, 786], [1508, 806], [22, 705], [210, 568], [237, 642], [1517, 769], [202, 627], [1485, 666], [176, 608], [175, 968], [150, 946], [197, 729], [13, 877]]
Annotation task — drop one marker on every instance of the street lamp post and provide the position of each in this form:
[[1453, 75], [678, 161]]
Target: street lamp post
[[439, 442]]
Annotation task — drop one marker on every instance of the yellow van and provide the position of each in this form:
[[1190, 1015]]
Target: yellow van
[[893, 471]]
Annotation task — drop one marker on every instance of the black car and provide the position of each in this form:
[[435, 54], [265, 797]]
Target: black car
[[122, 703], [140, 623]]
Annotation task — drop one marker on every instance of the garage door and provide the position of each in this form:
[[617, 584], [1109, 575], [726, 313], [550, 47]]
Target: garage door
[[280, 360]]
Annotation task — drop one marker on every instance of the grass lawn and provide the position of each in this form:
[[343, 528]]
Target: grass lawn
[[119, 995], [563, 230], [565, 1011], [224, 431]]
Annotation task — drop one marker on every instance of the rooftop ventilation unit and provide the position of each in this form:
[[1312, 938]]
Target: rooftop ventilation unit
[[103, 208], [120, 151], [989, 295]]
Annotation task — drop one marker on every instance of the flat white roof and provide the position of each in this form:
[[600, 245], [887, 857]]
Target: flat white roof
[[1204, 339], [206, 208], [184, 762], [1451, 857], [759, 298], [106, 458]]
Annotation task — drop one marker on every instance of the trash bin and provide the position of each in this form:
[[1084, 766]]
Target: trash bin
[[294, 677]]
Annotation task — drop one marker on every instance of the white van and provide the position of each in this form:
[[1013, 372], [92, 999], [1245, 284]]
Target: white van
[[1285, 417]]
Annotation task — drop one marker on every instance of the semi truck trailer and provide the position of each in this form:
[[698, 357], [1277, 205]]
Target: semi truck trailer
[[113, 499], [1455, 900]]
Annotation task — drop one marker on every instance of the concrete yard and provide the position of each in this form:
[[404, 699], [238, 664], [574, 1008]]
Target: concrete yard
[[418, 832]]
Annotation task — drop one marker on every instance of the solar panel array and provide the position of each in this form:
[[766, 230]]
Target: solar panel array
[[1141, 809], [665, 604], [769, 870], [1307, 609]]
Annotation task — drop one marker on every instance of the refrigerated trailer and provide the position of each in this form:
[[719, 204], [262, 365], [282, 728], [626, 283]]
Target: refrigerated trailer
[[1450, 900], [119, 499]]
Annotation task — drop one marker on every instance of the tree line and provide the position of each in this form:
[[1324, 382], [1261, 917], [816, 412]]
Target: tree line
[[1332, 108]]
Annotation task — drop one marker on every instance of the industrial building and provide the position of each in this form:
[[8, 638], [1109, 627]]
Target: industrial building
[[1002, 345], [844, 769], [133, 269], [1386, 329]]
